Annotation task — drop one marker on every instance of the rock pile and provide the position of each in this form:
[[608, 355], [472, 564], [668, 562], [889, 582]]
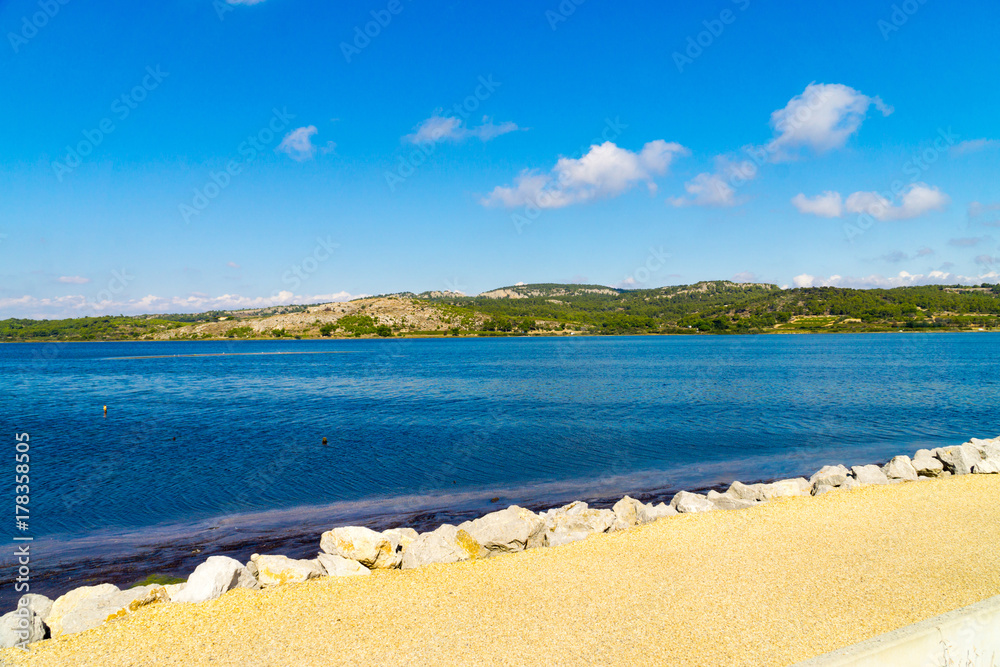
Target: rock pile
[[355, 550]]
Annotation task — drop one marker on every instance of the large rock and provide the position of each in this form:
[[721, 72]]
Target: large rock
[[39, 604], [214, 577], [986, 467], [507, 531], [829, 476], [989, 452], [798, 486], [88, 606], [630, 511], [900, 468], [446, 544], [274, 570], [926, 464], [688, 502], [958, 459], [659, 511], [21, 627], [870, 474], [574, 522], [373, 550], [724, 501], [751, 492], [401, 537], [338, 566]]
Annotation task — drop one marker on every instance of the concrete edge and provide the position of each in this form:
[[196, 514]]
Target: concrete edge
[[970, 635]]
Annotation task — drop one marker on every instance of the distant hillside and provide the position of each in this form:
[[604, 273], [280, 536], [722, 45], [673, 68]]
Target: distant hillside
[[710, 307]]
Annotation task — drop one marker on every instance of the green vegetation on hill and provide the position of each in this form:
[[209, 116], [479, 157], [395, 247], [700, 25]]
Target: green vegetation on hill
[[718, 307]]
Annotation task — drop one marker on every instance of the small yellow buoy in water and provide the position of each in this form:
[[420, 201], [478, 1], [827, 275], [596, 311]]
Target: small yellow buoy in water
[[324, 439], [105, 409]]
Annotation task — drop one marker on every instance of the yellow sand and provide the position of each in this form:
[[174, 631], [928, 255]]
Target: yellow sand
[[770, 585]]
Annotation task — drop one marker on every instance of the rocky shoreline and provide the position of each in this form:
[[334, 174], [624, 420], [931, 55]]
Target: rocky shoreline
[[357, 551]]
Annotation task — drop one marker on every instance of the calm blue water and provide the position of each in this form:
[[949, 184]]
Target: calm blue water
[[219, 446]]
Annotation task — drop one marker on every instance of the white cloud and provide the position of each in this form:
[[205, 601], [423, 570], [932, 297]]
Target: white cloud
[[74, 280], [973, 146], [706, 189], [440, 128], [233, 265], [915, 201], [826, 205], [244, 2], [298, 144], [604, 171], [902, 279], [920, 198], [78, 305], [822, 118]]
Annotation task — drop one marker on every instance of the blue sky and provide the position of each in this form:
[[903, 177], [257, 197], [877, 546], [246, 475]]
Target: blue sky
[[199, 154]]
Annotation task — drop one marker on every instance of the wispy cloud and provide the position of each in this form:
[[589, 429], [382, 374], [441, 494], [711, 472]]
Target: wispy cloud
[[967, 242], [440, 128], [77, 305], [973, 146], [902, 279], [605, 171], [916, 200], [74, 280], [299, 146]]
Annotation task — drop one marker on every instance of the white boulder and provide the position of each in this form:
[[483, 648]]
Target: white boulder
[[214, 577], [630, 511], [926, 464], [88, 606], [799, 486], [371, 549], [274, 570], [507, 531], [870, 474], [21, 627], [659, 511], [688, 502], [338, 566], [900, 467], [575, 522], [401, 537], [446, 544], [829, 476], [958, 459], [724, 501]]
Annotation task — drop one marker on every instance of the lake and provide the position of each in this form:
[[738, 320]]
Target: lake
[[217, 446]]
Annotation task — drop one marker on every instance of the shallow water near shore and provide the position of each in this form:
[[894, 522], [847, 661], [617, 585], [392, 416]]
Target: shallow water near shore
[[216, 447]]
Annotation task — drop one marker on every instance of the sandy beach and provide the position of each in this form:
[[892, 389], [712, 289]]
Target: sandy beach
[[769, 585]]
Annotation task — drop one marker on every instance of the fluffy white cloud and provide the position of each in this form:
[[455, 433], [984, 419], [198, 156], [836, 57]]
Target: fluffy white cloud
[[440, 128], [822, 118], [78, 305], [826, 205], [916, 200], [902, 279], [920, 198], [604, 171]]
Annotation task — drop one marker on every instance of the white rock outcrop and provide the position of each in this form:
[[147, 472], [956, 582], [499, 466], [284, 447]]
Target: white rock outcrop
[[870, 474], [926, 464], [401, 537], [338, 566], [830, 476], [724, 501], [88, 606], [687, 502], [958, 459], [273, 570], [446, 544], [900, 467], [574, 522], [506, 531], [371, 549], [214, 577]]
